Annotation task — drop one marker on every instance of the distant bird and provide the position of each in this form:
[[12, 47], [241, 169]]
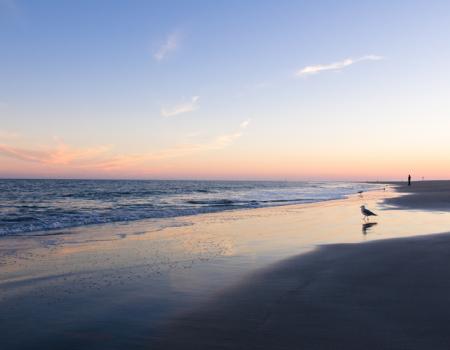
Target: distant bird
[[366, 212]]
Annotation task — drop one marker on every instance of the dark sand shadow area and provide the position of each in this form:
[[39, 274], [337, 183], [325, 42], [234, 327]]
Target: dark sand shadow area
[[389, 294], [423, 195]]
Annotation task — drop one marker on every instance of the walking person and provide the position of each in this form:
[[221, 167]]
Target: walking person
[[409, 180]]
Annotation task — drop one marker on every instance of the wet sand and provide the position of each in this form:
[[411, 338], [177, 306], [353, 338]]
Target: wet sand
[[392, 294], [263, 278], [387, 294]]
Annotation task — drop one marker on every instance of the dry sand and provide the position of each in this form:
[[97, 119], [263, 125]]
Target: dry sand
[[425, 195]]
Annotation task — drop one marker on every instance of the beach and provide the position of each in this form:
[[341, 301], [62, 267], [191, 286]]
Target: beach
[[391, 294], [224, 175], [311, 276], [425, 195]]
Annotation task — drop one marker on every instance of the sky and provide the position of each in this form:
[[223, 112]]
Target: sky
[[273, 90]]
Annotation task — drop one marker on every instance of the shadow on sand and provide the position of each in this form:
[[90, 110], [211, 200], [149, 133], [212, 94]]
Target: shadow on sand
[[388, 294]]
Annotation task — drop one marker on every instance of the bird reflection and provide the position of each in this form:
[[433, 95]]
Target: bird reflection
[[367, 227]]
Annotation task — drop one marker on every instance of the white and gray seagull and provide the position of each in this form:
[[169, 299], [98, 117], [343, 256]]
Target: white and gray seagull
[[366, 212]]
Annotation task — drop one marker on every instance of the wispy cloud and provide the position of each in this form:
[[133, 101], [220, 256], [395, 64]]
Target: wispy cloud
[[170, 45], [103, 158], [244, 124], [60, 154], [180, 108], [218, 143], [314, 69], [225, 140]]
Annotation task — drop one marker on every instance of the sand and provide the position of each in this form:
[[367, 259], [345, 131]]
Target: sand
[[391, 294], [387, 294], [306, 276], [425, 195]]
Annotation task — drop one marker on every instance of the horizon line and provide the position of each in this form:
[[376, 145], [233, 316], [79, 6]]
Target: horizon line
[[219, 179]]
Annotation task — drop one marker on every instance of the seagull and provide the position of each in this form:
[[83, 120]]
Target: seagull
[[367, 212]]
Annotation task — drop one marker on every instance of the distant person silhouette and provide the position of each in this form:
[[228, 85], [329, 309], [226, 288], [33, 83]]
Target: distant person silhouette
[[409, 180]]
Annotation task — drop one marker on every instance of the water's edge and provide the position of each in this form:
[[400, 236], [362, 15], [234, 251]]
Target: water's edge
[[31, 206]]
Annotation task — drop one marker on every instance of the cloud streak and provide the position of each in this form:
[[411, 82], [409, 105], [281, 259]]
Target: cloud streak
[[335, 66], [218, 143], [170, 45], [190, 106], [102, 157], [59, 155]]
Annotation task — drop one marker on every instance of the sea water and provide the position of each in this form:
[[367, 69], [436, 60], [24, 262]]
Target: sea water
[[28, 206]]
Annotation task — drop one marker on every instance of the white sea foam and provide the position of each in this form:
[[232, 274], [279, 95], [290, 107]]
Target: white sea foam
[[43, 205]]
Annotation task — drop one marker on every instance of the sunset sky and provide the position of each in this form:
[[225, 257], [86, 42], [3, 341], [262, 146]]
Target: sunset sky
[[225, 89]]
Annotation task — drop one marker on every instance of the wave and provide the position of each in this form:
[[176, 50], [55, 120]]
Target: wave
[[66, 221], [212, 202], [30, 206]]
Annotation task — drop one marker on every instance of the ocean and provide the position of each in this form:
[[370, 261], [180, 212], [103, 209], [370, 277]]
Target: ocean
[[39, 206]]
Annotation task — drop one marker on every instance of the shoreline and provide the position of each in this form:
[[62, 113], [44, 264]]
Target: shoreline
[[75, 285], [162, 219], [385, 294]]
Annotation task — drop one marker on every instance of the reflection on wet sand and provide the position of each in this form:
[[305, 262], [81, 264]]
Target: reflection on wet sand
[[367, 227]]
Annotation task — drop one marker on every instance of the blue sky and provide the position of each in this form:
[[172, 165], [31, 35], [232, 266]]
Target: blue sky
[[214, 89]]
